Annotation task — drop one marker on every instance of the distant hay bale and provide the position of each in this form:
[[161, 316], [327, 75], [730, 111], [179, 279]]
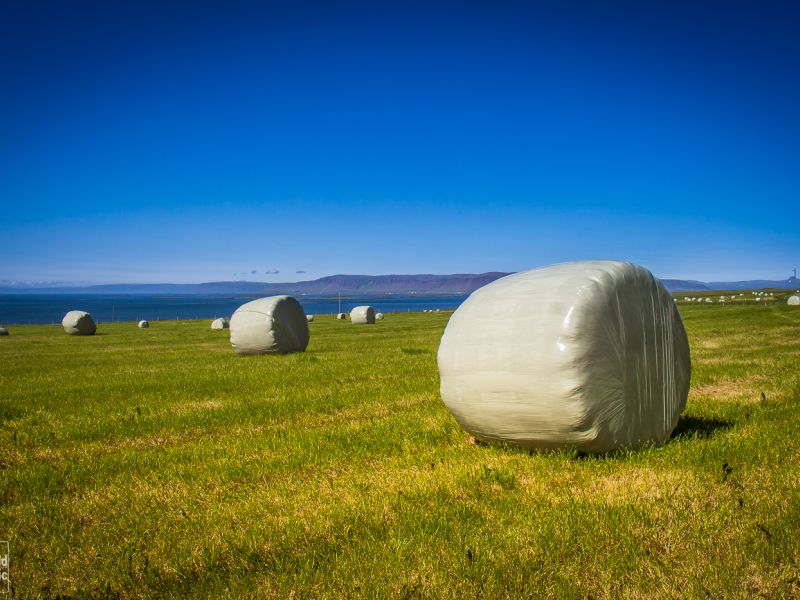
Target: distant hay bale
[[273, 325], [221, 323], [3, 331], [310, 318], [793, 301], [586, 355], [341, 316], [78, 322], [362, 315], [379, 316], [143, 324]]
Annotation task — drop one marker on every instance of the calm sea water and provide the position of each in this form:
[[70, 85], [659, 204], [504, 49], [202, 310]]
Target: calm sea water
[[42, 308]]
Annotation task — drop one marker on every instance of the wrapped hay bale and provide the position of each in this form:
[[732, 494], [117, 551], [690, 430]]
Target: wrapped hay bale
[[362, 315], [143, 324], [591, 355], [379, 316], [273, 325], [793, 301], [341, 316], [3, 331], [78, 322], [310, 318], [221, 323]]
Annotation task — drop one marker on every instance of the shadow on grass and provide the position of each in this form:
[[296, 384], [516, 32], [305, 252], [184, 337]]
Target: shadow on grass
[[688, 428], [698, 427]]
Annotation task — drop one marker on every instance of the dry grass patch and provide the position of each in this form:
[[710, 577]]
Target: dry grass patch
[[748, 388], [637, 485]]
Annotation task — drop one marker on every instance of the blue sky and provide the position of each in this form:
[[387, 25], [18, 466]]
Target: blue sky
[[149, 142]]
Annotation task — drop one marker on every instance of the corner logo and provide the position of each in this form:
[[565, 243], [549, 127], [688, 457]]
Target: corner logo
[[5, 559]]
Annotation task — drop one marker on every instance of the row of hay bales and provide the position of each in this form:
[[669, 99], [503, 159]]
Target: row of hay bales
[[736, 298], [79, 322], [276, 324]]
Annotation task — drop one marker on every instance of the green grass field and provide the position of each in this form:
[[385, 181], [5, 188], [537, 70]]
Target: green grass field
[[152, 463]]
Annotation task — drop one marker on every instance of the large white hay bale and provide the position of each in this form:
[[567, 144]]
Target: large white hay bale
[[143, 324], [793, 301], [379, 316], [310, 318], [591, 355], [273, 325], [341, 316], [362, 315], [78, 322], [3, 332], [221, 323]]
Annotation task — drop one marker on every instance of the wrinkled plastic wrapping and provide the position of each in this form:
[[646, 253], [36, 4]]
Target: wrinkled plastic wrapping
[[144, 324], [273, 325], [362, 315], [220, 323], [78, 322], [591, 355], [793, 301]]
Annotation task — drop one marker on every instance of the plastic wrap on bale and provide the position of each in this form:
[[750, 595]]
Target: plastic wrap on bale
[[78, 322], [362, 315], [221, 323], [589, 355], [273, 325]]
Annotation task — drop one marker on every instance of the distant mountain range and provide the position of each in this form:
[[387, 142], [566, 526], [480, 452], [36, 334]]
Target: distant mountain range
[[360, 284]]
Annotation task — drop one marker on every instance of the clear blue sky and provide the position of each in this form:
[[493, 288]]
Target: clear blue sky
[[200, 141]]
